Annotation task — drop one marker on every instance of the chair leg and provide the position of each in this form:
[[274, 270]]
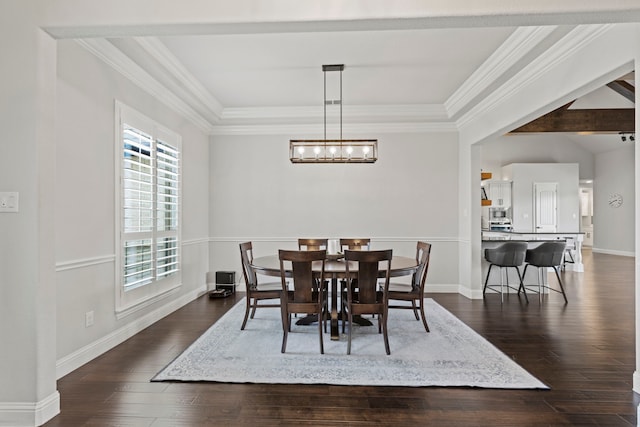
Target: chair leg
[[384, 333], [560, 282], [424, 318], [521, 284], [502, 285], [415, 309], [325, 317], [246, 314], [521, 287], [320, 333], [285, 330], [349, 333], [486, 280], [255, 305], [540, 282]]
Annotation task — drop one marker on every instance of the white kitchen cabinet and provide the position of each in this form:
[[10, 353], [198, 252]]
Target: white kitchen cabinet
[[499, 193]]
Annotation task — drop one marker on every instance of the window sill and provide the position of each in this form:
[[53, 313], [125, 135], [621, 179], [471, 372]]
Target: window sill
[[121, 313]]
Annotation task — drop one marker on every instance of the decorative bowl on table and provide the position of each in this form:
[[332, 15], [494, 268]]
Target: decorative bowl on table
[[335, 257]]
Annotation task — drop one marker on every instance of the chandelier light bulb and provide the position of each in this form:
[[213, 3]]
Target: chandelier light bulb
[[365, 151], [301, 151], [332, 150], [316, 151], [349, 150]]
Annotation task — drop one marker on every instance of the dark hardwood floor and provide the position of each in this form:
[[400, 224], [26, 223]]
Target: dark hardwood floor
[[583, 350]]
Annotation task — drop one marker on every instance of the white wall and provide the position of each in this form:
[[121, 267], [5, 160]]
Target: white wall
[[614, 228], [84, 209], [524, 175], [410, 193], [539, 148]]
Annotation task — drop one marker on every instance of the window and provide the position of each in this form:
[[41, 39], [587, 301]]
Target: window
[[148, 204]]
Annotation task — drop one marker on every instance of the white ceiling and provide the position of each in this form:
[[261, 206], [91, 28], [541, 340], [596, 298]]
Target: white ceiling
[[381, 67], [411, 78]]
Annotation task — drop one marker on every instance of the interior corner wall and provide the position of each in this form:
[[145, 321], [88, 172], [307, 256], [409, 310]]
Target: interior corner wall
[[85, 205], [614, 228], [410, 193]]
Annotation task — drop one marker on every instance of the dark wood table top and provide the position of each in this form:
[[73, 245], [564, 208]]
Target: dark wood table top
[[270, 266]]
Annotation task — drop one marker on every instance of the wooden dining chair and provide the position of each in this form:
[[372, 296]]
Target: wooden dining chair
[[305, 296], [413, 292], [352, 245], [256, 292], [368, 299]]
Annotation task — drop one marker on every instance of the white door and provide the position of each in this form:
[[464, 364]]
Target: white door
[[546, 195]]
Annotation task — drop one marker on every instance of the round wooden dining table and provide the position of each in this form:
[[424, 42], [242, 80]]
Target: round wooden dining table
[[335, 268]]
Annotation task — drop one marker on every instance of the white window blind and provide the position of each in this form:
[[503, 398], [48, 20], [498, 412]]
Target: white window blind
[[149, 237]]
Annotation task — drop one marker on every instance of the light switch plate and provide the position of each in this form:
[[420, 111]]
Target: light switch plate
[[9, 201]]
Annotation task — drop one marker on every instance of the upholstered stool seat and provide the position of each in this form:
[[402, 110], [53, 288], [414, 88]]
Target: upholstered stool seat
[[507, 255]]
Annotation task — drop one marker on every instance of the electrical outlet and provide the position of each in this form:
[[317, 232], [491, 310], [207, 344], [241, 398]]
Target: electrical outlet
[[88, 319], [9, 201]]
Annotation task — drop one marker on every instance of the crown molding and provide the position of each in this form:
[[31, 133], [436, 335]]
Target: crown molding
[[556, 54], [519, 44], [115, 58], [305, 130], [418, 112], [260, 120], [196, 92]]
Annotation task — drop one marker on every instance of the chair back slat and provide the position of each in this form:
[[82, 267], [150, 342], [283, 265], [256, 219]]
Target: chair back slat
[[246, 255], [355, 244], [312, 244], [423, 255], [302, 276]]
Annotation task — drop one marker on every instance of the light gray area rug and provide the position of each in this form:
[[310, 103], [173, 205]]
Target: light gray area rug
[[452, 354]]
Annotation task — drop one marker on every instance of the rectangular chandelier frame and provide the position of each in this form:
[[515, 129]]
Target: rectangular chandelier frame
[[333, 150]]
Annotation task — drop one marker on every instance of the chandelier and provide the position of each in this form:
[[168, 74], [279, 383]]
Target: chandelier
[[333, 150]]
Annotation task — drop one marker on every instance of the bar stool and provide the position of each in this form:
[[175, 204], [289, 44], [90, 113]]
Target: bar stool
[[548, 254], [510, 254]]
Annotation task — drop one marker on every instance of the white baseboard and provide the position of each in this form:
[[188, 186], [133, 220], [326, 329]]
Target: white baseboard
[[28, 414], [612, 252], [89, 352], [453, 289], [636, 381]]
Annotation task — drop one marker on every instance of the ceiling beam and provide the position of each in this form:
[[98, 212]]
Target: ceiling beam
[[623, 88], [611, 120]]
